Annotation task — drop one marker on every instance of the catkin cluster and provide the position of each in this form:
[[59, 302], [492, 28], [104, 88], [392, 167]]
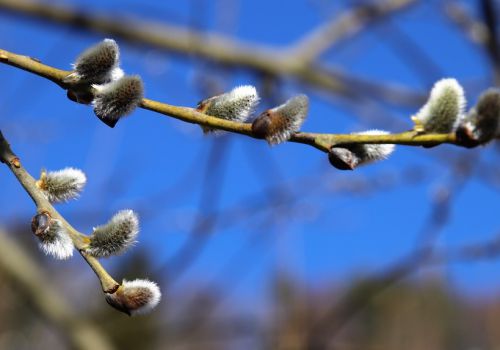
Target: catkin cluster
[[112, 238], [115, 95]]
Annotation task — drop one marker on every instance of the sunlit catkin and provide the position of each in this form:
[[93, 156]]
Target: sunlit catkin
[[54, 239], [278, 124], [236, 105], [61, 185], [135, 297], [114, 237], [444, 109], [98, 64], [119, 98]]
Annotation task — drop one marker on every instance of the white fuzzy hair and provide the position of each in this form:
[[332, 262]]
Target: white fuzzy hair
[[144, 284], [59, 243], [62, 185], [445, 108]]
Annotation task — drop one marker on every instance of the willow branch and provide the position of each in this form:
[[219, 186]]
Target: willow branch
[[323, 142], [7, 156], [212, 47], [24, 272]]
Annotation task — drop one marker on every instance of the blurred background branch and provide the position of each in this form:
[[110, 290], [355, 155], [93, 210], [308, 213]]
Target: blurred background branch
[[263, 60], [38, 291]]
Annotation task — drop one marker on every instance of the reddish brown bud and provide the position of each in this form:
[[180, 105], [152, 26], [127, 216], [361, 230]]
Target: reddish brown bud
[[40, 224], [342, 159], [278, 124]]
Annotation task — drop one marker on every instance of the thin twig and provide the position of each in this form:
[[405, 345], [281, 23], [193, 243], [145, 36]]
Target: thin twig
[[346, 25]]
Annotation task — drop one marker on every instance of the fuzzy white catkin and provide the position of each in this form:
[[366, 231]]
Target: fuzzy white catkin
[[278, 124], [375, 152], [117, 99], [444, 110], [294, 112], [98, 64], [236, 105], [135, 297], [56, 241], [116, 236], [349, 157], [62, 185]]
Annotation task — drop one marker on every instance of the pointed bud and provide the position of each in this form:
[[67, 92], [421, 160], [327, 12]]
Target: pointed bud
[[97, 65], [54, 239], [278, 124], [482, 123], [444, 110], [348, 157], [114, 237], [61, 185], [235, 105], [135, 297], [117, 99]]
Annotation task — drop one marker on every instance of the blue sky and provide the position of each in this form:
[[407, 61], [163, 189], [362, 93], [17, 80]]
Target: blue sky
[[327, 236]]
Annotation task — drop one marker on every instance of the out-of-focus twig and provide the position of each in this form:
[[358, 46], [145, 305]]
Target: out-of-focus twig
[[212, 47], [345, 25], [425, 254], [35, 285], [206, 216], [489, 14], [474, 29]]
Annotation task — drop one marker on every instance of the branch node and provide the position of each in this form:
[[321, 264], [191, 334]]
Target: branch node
[[15, 162]]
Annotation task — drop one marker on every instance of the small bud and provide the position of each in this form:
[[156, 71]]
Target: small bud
[[40, 223], [61, 185], [483, 121], [343, 158], [135, 297], [117, 99], [97, 65], [115, 236], [278, 124], [235, 105], [54, 239], [444, 109], [348, 157]]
